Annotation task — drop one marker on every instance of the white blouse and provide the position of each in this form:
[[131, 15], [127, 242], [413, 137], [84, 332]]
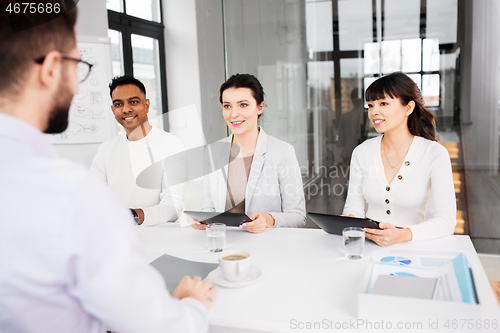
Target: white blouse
[[425, 173]]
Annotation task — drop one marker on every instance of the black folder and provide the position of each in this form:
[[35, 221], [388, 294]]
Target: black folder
[[334, 224], [229, 219]]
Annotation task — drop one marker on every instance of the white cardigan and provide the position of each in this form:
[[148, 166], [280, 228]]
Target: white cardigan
[[119, 162], [425, 171], [274, 184]]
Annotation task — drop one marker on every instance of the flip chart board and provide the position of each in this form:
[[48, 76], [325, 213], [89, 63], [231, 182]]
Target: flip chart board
[[90, 116]]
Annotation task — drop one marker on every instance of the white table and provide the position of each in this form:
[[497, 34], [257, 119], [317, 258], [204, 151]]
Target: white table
[[305, 279]]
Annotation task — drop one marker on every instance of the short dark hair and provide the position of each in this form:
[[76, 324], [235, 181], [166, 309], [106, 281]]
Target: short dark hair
[[123, 80], [20, 47], [421, 121], [244, 81]]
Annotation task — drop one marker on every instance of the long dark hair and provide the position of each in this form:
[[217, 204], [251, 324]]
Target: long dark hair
[[421, 121]]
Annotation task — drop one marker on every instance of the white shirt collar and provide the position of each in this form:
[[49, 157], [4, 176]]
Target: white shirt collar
[[15, 129]]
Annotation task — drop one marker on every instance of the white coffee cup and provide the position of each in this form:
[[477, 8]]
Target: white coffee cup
[[234, 265]]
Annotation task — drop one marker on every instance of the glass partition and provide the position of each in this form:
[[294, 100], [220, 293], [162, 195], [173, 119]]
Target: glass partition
[[401, 19], [441, 20], [316, 58], [319, 25], [355, 24], [268, 39]]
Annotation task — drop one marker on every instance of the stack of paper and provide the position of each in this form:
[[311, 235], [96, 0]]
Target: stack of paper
[[442, 276]]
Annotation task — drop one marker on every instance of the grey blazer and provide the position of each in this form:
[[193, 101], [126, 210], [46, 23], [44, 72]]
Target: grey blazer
[[274, 184]]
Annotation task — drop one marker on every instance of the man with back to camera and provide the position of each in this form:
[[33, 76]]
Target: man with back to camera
[[70, 257], [121, 160]]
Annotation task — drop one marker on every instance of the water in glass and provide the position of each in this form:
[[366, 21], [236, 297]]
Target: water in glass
[[354, 242]]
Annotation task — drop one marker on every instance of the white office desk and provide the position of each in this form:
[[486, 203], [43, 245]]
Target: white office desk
[[305, 279]]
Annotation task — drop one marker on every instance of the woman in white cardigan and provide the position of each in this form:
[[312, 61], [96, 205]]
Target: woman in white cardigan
[[262, 178], [393, 176]]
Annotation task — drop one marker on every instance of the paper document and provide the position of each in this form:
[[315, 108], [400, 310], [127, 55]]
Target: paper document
[[450, 269], [173, 269]]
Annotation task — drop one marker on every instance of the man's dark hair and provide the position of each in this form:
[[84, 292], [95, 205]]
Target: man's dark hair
[[20, 49], [123, 80]]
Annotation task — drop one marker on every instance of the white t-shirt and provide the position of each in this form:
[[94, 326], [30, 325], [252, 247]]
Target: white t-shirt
[[70, 257], [425, 171], [120, 162]]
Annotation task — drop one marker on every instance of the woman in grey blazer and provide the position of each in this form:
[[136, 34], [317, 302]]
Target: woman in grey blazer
[[263, 178]]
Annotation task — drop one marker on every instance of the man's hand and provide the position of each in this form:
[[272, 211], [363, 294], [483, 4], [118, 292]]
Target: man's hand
[[388, 235], [197, 289], [197, 225], [260, 221]]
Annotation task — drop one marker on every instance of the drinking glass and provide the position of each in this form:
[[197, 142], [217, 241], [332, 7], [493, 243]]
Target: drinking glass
[[354, 242], [216, 236]]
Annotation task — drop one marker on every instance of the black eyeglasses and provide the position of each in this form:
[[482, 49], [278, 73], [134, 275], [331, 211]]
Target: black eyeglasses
[[83, 67]]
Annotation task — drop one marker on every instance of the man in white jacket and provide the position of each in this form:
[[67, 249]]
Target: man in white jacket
[[70, 258], [141, 151]]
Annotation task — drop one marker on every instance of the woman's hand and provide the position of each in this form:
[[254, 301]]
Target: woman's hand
[[260, 221], [197, 225], [388, 235]]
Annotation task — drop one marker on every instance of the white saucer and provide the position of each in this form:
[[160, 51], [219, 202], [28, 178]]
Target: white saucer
[[217, 278]]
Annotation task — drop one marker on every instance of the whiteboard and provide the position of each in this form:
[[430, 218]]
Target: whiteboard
[[90, 116]]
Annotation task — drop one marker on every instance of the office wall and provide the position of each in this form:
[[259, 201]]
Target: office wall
[[195, 60], [92, 18], [92, 21], [181, 45]]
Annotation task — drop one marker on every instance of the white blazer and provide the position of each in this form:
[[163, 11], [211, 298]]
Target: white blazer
[[274, 183]]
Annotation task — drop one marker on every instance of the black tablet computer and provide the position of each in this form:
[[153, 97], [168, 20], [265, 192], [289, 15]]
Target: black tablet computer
[[229, 219], [334, 224]]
